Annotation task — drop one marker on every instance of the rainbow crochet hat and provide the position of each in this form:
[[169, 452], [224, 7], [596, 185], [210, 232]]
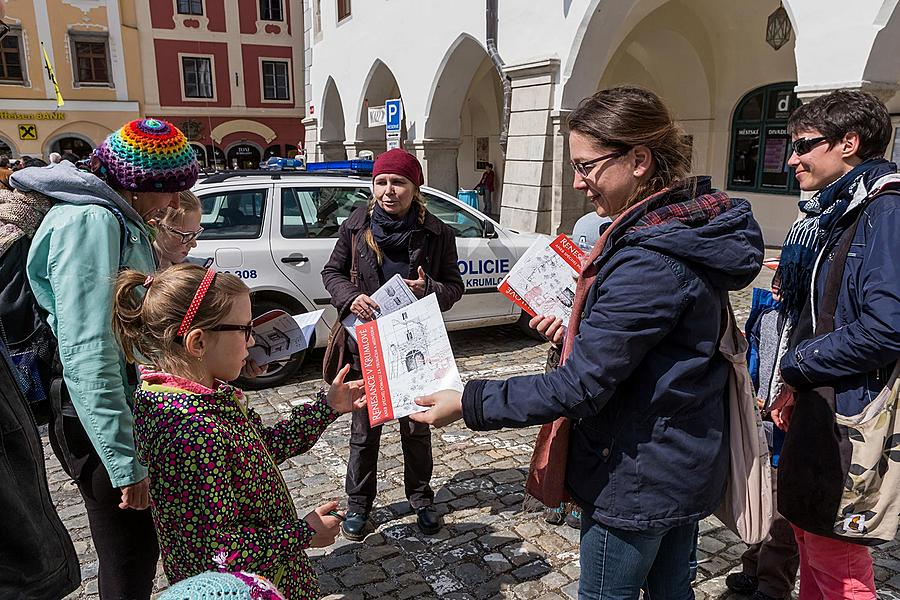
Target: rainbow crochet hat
[[146, 155]]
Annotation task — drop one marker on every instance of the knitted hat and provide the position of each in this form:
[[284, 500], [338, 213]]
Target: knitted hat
[[222, 586], [399, 162], [146, 155]]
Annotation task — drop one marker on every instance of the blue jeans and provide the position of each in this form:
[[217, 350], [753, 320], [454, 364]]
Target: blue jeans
[[616, 563]]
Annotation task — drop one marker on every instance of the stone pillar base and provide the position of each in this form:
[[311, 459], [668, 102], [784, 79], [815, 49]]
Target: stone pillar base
[[438, 158]]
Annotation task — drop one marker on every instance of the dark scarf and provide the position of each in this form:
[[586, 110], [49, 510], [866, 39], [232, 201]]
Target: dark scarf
[[391, 233], [810, 233]]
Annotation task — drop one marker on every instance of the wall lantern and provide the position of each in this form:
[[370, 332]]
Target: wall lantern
[[778, 28]]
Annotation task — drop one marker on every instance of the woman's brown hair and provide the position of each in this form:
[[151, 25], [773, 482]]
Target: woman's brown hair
[[146, 320], [621, 118], [418, 204]]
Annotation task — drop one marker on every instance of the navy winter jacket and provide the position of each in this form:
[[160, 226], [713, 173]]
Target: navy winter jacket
[[858, 357], [644, 383]]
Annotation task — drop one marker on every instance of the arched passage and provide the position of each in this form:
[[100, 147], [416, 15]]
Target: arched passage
[[882, 66], [331, 133], [381, 85]]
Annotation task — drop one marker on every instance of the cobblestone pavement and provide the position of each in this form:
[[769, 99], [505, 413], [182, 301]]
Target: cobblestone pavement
[[490, 547]]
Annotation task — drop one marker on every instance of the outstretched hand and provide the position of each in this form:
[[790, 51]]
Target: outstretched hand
[[445, 407], [417, 285], [344, 397]]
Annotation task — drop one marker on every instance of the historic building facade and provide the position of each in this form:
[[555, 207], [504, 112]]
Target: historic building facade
[[93, 48], [229, 73], [476, 75]]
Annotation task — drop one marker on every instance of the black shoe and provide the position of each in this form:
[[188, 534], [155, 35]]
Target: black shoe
[[357, 526], [741, 583], [758, 595], [428, 520]]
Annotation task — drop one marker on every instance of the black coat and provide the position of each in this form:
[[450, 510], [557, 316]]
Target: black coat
[[432, 247], [37, 559]]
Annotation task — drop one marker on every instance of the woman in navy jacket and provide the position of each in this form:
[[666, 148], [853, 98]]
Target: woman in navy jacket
[[644, 383]]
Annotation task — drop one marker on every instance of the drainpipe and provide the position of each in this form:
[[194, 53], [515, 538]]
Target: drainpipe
[[491, 40]]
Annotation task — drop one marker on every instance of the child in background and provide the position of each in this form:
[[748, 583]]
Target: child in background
[[217, 495], [177, 231]]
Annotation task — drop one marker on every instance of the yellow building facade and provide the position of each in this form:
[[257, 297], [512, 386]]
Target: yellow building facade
[[92, 46]]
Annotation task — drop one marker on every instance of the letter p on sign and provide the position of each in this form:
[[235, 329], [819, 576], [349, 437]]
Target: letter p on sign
[[393, 115]]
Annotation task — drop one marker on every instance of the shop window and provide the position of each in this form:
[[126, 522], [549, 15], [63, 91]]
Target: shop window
[[197, 73], [271, 10], [343, 9], [760, 143], [276, 84], [190, 7], [91, 59], [11, 68], [74, 145], [274, 150]]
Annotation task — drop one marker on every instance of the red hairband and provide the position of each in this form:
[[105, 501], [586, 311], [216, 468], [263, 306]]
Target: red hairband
[[195, 303]]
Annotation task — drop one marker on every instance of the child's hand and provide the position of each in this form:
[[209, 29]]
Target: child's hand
[[344, 397], [325, 526]]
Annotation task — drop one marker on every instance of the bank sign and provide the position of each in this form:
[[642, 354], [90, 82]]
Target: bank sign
[[486, 272]]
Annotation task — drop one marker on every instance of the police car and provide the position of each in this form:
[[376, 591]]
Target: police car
[[276, 230]]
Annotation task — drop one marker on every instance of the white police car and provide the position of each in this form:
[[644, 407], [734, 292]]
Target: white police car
[[276, 230]]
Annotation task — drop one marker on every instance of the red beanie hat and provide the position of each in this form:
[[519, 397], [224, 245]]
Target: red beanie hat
[[399, 162]]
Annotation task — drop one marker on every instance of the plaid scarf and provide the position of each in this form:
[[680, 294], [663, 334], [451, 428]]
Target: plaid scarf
[[693, 212], [811, 231]]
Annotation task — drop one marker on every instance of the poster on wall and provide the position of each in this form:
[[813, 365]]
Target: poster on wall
[[775, 169], [482, 153]]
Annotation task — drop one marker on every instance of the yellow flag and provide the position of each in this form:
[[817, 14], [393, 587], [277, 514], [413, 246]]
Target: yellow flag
[[49, 67]]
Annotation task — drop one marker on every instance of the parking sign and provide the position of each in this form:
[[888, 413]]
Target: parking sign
[[393, 115]]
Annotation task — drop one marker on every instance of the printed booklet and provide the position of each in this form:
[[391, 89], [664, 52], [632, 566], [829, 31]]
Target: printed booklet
[[393, 295], [542, 282], [404, 355], [278, 335]]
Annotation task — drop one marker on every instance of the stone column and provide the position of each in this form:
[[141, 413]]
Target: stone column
[[311, 139], [528, 179], [438, 158], [568, 204]]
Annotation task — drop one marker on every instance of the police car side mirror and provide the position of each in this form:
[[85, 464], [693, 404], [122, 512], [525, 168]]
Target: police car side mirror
[[489, 231]]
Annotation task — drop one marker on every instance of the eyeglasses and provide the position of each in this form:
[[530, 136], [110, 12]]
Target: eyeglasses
[[584, 168], [186, 236], [4, 29], [803, 145], [247, 329]]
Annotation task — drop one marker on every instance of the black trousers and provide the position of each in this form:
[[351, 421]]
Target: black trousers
[[362, 472], [125, 540]]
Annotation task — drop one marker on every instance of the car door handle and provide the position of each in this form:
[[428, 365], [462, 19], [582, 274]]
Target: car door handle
[[295, 259]]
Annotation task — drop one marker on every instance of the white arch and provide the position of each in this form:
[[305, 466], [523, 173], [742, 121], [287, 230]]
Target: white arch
[[237, 125], [332, 128], [380, 85], [14, 151], [450, 86], [882, 65], [56, 137]]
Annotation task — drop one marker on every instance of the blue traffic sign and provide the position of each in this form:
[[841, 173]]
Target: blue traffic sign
[[393, 114]]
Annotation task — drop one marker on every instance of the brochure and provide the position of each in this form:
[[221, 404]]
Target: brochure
[[404, 355], [393, 295], [278, 335], [542, 282]]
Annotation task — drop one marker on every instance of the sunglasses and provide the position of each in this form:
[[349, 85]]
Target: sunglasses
[[186, 236], [4, 29], [802, 146], [247, 329], [584, 168]]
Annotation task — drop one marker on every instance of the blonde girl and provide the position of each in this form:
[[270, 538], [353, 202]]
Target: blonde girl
[[177, 230], [217, 496]]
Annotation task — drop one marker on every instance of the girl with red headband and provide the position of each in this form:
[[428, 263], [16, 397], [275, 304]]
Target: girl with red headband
[[216, 494], [395, 234]]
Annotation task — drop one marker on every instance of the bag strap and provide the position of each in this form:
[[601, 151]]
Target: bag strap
[[354, 273]]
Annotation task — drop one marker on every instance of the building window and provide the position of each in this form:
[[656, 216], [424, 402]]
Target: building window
[[91, 60], [11, 68], [190, 7], [760, 143], [276, 84], [271, 10], [197, 77], [343, 9]]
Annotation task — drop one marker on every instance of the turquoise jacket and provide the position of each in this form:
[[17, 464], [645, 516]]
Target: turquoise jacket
[[72, 263]]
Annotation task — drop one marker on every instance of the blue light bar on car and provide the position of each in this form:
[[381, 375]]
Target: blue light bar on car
[[356, 166]]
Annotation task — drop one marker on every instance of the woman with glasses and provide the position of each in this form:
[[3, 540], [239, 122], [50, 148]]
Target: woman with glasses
[[177, 231], [641, 381]]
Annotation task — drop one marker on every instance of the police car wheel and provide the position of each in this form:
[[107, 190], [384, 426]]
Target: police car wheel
[[524, 318], [279, 372]]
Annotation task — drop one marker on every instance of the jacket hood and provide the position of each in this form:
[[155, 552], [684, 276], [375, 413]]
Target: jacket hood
[[64, 182], [728, 249]]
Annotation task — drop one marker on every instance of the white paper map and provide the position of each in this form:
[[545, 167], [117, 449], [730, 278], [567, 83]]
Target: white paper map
[[393, 295], [404, 355], [542, 282], [278, 335]]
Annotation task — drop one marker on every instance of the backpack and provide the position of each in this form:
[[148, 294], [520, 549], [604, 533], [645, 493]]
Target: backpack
[[23, 323]]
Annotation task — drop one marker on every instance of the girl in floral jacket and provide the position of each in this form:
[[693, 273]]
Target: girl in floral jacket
[[217, 495]]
